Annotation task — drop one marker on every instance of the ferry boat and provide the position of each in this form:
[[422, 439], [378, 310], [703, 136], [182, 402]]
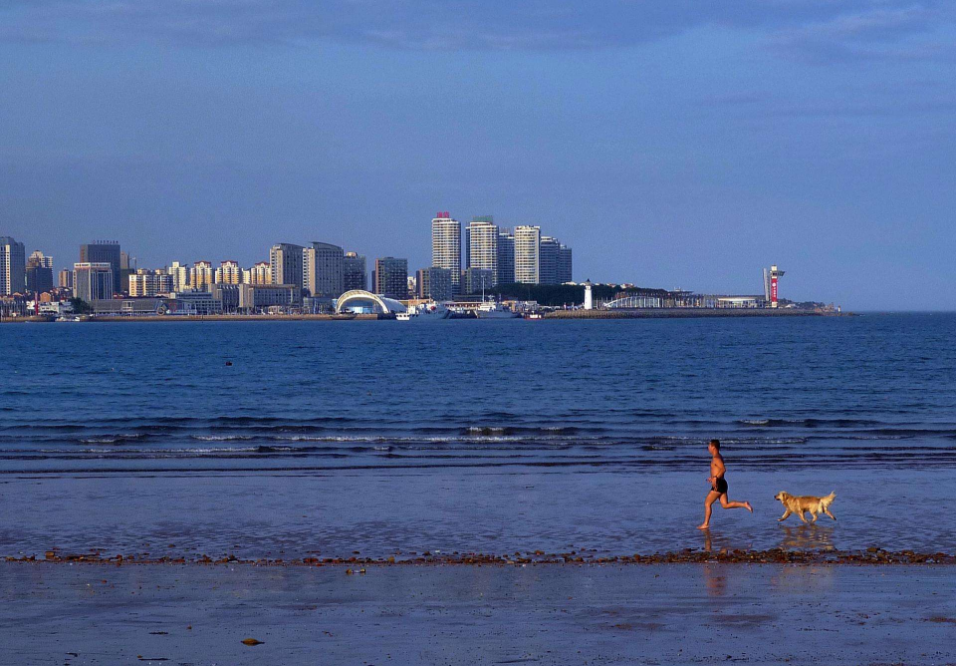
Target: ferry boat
[[425, 312]]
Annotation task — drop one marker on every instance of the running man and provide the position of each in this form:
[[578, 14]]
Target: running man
[[718, 486]]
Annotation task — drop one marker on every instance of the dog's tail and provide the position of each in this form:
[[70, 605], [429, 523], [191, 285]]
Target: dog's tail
[[828, 500]]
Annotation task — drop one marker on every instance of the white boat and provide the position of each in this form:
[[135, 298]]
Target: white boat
[[424, 312], [492, 310]]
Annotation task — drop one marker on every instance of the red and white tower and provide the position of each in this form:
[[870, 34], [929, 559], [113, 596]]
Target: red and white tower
[[775, 275]]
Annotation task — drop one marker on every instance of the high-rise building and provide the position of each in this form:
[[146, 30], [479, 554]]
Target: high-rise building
[[228, 273], [506, 257], [285, 264], [323, 270], [145, 283], [65, 280], [127, 268], [12, 267], [446, 246], [104, 252], [391, 277], [527, 241], [180, 275], [548, 260], [481, 242], [39, 273], [202, 276], [434, 283], [354, 272], [564, 264], [93, 281], [477, 280], [260, 273]]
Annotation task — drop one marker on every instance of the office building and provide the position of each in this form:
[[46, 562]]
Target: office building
[[446, 247], [65, 280], [527, 243], [180, 274], [93, 281], [564, 264], [354, 272], [202, 276], [228, 272], [481, 246], [39, 275], [104, 252], [477, 280], [506, 257], [145, 283], [323, 266], [12, 267], [255, 297], [434, 283], [285, 264], [391, 278]]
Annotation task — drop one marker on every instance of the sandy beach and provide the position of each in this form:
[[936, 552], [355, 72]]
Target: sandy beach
[[544, 614]]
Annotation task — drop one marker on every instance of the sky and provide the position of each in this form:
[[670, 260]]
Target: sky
[[675, 144]]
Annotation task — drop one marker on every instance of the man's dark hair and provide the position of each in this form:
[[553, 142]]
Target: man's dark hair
[[716, 443]]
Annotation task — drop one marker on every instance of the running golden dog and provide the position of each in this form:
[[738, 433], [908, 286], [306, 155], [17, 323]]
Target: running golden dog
[[806, 504]]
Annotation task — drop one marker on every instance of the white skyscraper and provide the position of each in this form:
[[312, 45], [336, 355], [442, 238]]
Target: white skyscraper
[[482, 243], [527, 254], [446, 247]]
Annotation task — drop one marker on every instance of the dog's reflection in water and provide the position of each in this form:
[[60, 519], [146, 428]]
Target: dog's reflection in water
[[807, 537]]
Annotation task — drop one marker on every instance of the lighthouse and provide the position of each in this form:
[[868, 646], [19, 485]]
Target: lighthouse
[[775, 275], [588, 298]]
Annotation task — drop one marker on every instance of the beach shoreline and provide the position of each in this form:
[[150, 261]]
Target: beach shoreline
[[607, 614]]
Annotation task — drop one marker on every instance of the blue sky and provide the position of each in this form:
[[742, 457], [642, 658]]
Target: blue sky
[[672, 144]]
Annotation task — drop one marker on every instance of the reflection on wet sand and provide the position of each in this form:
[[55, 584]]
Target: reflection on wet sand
[[714, 580], [807, 537]]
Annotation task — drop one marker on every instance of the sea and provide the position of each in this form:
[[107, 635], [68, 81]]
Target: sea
[[384, 438]]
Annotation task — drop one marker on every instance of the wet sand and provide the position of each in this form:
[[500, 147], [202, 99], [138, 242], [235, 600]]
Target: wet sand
[[495, 614]]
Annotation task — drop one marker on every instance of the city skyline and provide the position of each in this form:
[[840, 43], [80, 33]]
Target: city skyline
[[681, 148]]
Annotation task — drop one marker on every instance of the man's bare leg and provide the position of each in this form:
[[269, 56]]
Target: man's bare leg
[[727, 504], [712, 497]]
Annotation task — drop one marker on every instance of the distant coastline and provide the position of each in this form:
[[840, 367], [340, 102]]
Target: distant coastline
[[649, 313]]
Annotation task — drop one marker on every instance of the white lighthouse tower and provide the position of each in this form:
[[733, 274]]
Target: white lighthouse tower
[[588, 297]]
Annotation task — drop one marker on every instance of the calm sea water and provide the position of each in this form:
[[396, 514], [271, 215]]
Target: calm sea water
[[491, 436]]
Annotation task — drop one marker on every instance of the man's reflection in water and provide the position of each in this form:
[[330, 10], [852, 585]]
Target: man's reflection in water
[[807, 537], [715, 579]]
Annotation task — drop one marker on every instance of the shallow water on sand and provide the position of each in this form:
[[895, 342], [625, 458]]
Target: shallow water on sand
[[490, 436]]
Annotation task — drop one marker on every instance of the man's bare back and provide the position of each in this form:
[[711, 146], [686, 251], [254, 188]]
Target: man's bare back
[[718, 486]]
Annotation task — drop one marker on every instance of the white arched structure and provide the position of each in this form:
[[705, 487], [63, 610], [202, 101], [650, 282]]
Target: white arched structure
[[366, 299]]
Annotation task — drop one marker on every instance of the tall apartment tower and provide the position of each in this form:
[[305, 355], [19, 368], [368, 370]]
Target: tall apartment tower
[[104, 252], [527, 241], [506, 257], [12, 267], [564, 264], [202, 276], [354, 272], [260, 273], [65, 280], [39, 273], [446, 247], [391, 277], [285, 263], [180, 275], [93, 281], [228, 272], [323, 269], [481, 243], [548, 260]]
